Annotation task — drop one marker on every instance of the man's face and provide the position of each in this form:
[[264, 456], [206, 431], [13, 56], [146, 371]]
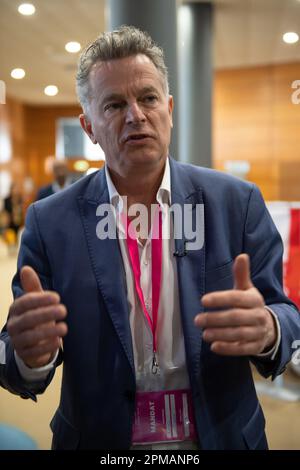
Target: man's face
[[130, 115]]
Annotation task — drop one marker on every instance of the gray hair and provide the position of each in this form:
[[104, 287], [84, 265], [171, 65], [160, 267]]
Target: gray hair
[[124, 42]]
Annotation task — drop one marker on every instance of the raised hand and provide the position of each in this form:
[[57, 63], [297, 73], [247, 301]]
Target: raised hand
[[242, 325], [34, 322]]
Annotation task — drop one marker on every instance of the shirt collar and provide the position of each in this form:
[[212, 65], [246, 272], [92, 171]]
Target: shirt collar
[[163, 195]]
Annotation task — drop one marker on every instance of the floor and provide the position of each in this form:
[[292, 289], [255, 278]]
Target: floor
[[283, 418]]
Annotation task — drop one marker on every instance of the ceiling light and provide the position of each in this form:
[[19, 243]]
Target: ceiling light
[[26, 9], [73, 47], [290, 38], [51, 90], [17, 74]]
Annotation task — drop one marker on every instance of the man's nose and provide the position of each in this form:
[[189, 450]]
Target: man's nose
[[134, 114]]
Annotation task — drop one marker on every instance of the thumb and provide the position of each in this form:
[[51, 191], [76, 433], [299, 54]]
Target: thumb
[[29, 280], [241, 272]]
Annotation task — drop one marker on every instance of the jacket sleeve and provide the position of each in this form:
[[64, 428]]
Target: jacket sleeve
[[264, 245], [32, 253]]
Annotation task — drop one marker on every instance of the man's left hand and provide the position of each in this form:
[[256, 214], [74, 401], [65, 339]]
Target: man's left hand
[[242, 325]]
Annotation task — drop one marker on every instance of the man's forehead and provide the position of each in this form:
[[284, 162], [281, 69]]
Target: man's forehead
[[109, 76], [123, 70], [123, 63]]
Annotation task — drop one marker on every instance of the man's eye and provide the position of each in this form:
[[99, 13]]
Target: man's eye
[[112, 106], [150, 98]]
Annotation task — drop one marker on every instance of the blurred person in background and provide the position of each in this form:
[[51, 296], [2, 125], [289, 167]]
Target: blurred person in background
[[61, 180], [14, 210]]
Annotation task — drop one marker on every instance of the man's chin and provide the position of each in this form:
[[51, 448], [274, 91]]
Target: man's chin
[[144, 158]]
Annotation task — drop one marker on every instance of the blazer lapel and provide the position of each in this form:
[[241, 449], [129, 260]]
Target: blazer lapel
[[190, 266], [106, 262]]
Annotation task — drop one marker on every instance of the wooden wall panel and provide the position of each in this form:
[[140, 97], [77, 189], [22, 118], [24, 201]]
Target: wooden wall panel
[[12, 140], [41, 132], [32, 132], [255, 120], [286, 122]]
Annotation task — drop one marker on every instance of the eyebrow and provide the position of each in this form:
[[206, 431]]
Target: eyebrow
[[112, 97]]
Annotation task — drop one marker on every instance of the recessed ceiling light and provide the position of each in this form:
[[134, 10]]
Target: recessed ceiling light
[[73, 47], [51, 90], [290, 38], [17, 74], [26, 9]]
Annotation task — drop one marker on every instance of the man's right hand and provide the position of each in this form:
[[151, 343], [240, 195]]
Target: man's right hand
[[32, 322]]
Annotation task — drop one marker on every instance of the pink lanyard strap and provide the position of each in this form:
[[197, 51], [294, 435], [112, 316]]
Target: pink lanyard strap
[[156, 264]]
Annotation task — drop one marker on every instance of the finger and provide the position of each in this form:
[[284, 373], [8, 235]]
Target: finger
[[243, 334], [33, 300], [29, 280], [233, 298], [241, 272], [40, 353], [230, 318], [31, 338], [35, 318], [236, 349]]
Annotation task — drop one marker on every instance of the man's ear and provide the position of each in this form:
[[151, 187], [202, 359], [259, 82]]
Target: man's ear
[[87, 127], [170, 108]]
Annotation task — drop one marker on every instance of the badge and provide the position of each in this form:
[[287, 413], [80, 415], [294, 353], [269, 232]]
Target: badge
[[164, 416]]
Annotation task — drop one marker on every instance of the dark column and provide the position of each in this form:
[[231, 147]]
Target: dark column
[[159, 19], [195, 83]]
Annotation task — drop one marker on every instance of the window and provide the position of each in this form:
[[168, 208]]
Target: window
[[72, 142]]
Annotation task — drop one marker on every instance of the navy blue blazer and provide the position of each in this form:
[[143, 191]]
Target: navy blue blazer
[[98, 386]]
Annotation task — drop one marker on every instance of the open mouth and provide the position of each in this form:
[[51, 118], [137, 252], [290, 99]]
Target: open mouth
[[134, 137]]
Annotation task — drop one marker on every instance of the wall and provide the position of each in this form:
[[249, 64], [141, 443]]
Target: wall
[[12, 140], [255, 120], [31, 130], [41, 135]]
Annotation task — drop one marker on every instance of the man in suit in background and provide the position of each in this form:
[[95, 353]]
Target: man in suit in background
[[61, 180], [147, 327]]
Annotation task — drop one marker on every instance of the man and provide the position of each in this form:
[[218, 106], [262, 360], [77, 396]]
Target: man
[[158, 334], [61, 180]]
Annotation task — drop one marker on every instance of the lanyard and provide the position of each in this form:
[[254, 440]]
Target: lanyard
[[156, 265]]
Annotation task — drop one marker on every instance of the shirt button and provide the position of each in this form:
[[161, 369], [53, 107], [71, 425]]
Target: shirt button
[[145, 262]]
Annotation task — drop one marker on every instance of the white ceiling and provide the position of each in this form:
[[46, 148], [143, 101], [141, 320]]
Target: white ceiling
[[36, 43], [247, 32]]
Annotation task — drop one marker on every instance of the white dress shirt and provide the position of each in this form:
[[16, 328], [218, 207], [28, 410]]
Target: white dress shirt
[[170, 341]]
